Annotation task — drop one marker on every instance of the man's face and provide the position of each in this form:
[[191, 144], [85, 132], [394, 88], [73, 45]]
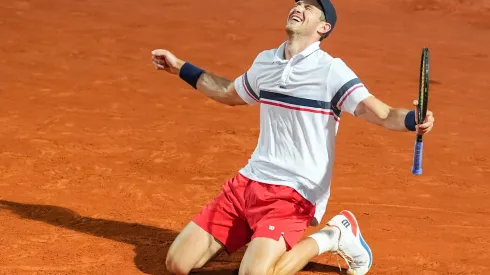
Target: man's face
[[306, 19]]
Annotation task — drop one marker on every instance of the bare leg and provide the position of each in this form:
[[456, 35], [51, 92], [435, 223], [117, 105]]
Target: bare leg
[[269, 257], [192, 249], [261, 256], [299, 256]]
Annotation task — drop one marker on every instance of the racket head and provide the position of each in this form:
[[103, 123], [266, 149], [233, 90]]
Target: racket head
[[423, 98]]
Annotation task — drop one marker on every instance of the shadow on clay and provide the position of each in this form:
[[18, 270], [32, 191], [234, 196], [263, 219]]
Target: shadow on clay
[[151, 243]]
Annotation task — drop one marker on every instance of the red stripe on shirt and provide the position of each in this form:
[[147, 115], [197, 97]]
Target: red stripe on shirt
[[246, 90], [349, 93], [301, 109]]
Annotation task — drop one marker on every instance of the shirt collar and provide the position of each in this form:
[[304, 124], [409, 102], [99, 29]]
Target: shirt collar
[[279, 56]]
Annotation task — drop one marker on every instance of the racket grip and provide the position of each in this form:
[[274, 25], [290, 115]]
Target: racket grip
[[417, 157]]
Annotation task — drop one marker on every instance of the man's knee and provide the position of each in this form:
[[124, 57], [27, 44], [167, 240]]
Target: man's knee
[[176, 266], [257, 269], [192, 249]]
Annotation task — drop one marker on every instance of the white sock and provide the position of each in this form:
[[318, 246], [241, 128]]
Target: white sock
[[326, 239]]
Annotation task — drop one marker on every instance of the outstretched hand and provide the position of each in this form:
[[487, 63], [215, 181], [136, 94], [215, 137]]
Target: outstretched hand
[[427, 125], [165, 60]]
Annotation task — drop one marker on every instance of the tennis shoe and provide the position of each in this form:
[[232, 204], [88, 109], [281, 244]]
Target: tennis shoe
[[351, 245]]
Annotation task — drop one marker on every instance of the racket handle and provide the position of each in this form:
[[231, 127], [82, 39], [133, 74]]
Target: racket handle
[[417, 157]]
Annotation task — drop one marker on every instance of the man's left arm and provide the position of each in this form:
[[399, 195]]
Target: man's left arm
[[353, 97], [377, 112]]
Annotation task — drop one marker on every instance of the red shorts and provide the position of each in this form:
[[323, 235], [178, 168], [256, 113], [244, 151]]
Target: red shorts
[[247, 209]]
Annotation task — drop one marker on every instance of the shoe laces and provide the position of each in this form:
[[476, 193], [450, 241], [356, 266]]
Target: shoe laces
[[351, 263], [348, 259]]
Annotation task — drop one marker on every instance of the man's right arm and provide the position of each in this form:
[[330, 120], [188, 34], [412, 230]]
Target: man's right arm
[[219, 89], [215, 87]]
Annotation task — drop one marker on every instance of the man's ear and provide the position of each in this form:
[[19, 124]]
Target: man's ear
[[324, 28]]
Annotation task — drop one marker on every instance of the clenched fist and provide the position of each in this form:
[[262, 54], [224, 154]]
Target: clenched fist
[[425, 126], [165, 60]]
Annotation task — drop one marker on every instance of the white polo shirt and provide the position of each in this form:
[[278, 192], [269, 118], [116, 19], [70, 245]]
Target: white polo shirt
[[301, 101]]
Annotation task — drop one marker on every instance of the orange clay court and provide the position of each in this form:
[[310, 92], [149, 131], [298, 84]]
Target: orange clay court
[[104, 159]]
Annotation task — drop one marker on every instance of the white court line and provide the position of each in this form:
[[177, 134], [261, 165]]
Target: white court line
[[413, 208]]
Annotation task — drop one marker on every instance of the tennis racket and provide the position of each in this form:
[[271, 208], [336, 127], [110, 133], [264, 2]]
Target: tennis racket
[[421, 110]]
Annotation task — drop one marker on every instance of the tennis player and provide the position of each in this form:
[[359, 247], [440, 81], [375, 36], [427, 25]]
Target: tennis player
[[285, 186]]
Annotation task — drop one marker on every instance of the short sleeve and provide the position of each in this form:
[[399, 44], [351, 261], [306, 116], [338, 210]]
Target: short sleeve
[[246, 84], [347, 88]]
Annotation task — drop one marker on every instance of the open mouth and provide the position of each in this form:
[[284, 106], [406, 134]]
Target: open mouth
[[296, 17]]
